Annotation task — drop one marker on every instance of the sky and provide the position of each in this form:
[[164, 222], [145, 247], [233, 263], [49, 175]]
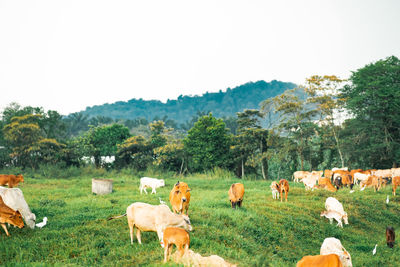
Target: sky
[[67, 55]]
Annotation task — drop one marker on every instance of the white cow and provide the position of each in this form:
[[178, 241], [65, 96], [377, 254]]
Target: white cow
[[310, 181], [332, 204], [153, 218], [191, 258], [14, 198], [360, 177], [274, 190], [152, 183], [342, 169], [333, 215], [333, 245]]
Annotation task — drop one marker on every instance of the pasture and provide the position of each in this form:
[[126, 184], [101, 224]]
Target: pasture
[[264, 232]]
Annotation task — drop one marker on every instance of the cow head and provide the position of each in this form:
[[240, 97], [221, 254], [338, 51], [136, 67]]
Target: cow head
[[161, 183], [15, 219], [345, 258], [20, 178], [186, 225], [345, 218], [181, 192]]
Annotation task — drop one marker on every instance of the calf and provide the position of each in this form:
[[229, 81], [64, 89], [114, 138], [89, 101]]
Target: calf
[[333, 245], [333, 215], [390, 236], [8, 215], [395, 184], [177, 236], [330, 260], [179, 197], [332, 204], [152, 183], [299, 175], [275, 190], [236, 194], [283, 187], [152, 218], [11, 180]]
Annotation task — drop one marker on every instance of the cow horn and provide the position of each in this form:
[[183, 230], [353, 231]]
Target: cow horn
[[177, 183]]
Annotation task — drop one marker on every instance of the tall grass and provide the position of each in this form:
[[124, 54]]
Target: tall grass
[[264, 232]]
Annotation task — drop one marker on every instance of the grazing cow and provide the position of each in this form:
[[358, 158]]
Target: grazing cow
[[339, 173], [177, 236], [283, 187], [11, 180], [236, 193], [275, 190], [395, 184], [325, 183], [333, 245], [338, 182], [8, 215], [152, 183], [390, 236], [299, 175], [179, 197], [193, 259], [347, 180], [152, 218], [372, 181], [14, 198], [332, 204], [333, 215], [330, 260]]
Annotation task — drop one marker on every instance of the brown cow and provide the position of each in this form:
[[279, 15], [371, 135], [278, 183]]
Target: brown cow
[[325, 183], [177, 236], [372, 181], [395, 184], [283, 187], [328, 174], [236, 193], [11, 180], [347, 180], [330, 260], [390, 236], [8, 215], [179, 197]]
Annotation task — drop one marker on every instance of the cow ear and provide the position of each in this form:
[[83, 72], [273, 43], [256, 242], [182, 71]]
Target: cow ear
[[188, 190]]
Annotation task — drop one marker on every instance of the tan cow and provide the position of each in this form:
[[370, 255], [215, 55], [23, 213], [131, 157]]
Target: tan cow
[[330, 260], [325, 183], [152, 218], [177, 236], [236, 194], [328, 174], [395, 184], [11, 180], [193, 259], [372, 181], [8, 215], [299, 175], [179, 197], [283, 187]]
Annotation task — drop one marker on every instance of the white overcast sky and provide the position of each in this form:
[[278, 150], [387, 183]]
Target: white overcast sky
[[67, 55]]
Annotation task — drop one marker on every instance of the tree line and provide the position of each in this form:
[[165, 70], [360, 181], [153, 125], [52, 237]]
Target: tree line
[[332, 123]]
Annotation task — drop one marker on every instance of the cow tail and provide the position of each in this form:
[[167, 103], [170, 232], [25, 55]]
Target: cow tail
[[116, 217]]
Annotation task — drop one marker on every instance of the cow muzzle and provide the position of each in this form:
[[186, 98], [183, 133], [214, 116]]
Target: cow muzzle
[[183, 199]]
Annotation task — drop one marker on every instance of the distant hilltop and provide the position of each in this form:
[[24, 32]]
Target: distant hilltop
[[221, 104]]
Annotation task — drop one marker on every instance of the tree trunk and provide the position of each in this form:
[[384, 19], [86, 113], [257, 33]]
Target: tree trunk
[[338, 146], [242, 168]]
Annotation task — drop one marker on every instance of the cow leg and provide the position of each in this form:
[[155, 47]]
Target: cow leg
[[5, 229], [286, 196], [145, 190], [153, 191], [240, 203], [170, 250], [138, 235], [330, 220], [166, 252], [131, 230]]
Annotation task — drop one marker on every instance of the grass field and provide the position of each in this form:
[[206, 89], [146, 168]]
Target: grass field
[[265, 232]]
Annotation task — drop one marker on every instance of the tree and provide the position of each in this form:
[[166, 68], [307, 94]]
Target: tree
[[135, 151], [373, 97], [207, 143], [157, 129]]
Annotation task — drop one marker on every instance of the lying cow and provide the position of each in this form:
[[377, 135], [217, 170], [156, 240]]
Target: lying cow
[[236, 194], [331, 260], [179, 197], [390, 236], [333, 245], [325, 183], [152, 218], [153, 183], [190, 258], [14, 198], [332, 204], [11, 180], [8, 215]]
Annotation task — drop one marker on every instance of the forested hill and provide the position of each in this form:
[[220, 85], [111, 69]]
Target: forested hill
[[221, 104]]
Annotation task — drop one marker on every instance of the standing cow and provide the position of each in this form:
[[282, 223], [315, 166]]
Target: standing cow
[[236, 193], [390, 236], [153, 183], [179, 197], [11, 180]]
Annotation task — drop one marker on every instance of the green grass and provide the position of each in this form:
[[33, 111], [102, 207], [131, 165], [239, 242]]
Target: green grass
[[265, 232]]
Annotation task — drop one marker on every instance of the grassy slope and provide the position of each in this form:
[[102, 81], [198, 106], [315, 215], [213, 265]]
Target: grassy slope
[[263, 233]]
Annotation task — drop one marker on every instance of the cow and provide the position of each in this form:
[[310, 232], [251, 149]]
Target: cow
[[191, 258], [11, 180], [361, 176], [311, 180], [328, 174], [390, 236], [14, 198], [382, 173], [347, 180], [339, 173], [179, 197], [395, 172], [236, 194], [340, 169], [330, 260], [333, 215], [299, 175], [177, 236], [372, 181], [152, 183], [325, 183], [338, 182], [352, 172], [152, 218], [275, 190], [332, 204], [8, 215], [283, 187], [395, 184], [333, 245]]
